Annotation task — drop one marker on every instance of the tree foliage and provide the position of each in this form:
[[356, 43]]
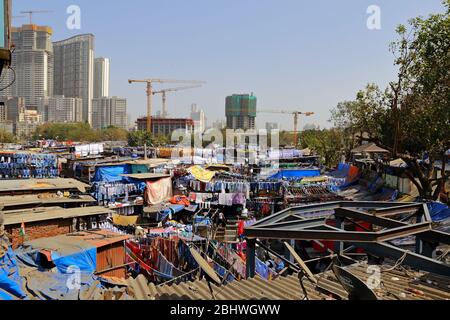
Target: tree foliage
[[327, 143], [412, 116], [6, 137], [81, 132]]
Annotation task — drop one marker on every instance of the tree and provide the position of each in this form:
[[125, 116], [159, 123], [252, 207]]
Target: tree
[[412, 117], [139, 139], [113, 134], [67, 131], [426, 128], [6, 137], [327, 143]]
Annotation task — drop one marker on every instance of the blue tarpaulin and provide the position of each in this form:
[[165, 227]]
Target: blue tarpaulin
[[296, 174], [65, 253], [111, 173], [10, 281], [439, 211], [171, 210]]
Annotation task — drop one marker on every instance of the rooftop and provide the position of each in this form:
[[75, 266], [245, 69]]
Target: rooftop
[[43, 214]]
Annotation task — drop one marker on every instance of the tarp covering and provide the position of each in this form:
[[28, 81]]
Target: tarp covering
[[398, 163], [159, 191], [201, 174], [10, 281], [439, 211], [58, 286], [139, 168], [173, 209], [111, 173], [296, 174], [125, 221], [66, 253]]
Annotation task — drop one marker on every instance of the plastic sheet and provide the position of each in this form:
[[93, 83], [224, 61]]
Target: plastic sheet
[[10, 281]]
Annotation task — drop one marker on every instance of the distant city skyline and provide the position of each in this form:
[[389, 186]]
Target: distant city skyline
[[290, 54]]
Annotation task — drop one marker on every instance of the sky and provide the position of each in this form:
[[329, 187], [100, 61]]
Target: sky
[[292, 54]]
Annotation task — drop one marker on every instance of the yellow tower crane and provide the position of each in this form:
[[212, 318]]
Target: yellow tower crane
[[296, 115], [164, 92], [149, 91], [31, 12]]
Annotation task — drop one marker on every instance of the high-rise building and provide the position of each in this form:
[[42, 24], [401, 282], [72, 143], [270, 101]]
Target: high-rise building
[[13, 105], [108, 112], [199, 118], [3, 111], [74, 70], [28, 121], [32, 61], [61, 109], [240, 111], [101, 77]]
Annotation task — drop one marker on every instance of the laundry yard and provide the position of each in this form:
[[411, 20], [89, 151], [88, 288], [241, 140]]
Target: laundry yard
[[160, 228]]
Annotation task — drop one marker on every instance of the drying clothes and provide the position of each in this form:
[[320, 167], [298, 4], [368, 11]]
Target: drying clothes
[[159, 191], [180, 200], [226, 199], [239, 199], [233, 259], [241, 227], [201, 174], [263, 270], [110, 191], [27, 165]]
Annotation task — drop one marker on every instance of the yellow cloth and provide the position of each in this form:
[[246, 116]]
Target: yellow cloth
[[125, 221], [315, 179], [201, 174]]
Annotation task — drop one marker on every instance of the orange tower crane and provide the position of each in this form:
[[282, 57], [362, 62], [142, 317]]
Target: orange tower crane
[[149, 91], [164, 92], [296, 115]]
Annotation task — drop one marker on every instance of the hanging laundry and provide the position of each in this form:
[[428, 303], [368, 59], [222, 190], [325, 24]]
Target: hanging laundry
[[159, 191]]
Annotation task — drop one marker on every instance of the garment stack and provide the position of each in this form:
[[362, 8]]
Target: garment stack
[[28, 165]]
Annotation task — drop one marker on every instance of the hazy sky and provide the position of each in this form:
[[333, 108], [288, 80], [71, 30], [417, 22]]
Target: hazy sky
[[292, 54]]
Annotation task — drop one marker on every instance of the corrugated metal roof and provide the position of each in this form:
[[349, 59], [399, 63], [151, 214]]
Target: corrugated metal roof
[[146, 176], [398, 284], [51, 213], [7, 186], [100, 238], [30, 199]]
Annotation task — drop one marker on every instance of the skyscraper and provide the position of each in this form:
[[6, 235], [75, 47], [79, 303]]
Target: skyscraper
[[109, 112], [32, 61], [61, 109], [101, 77], [198, 115], [240, 111], [74, 71]]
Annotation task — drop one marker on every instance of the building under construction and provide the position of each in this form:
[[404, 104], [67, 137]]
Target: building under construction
[[240, 110], [165, 126]]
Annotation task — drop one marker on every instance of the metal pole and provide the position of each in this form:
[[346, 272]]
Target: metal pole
[[296, 130], [164, 105], [251, 258], [145, 151]]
